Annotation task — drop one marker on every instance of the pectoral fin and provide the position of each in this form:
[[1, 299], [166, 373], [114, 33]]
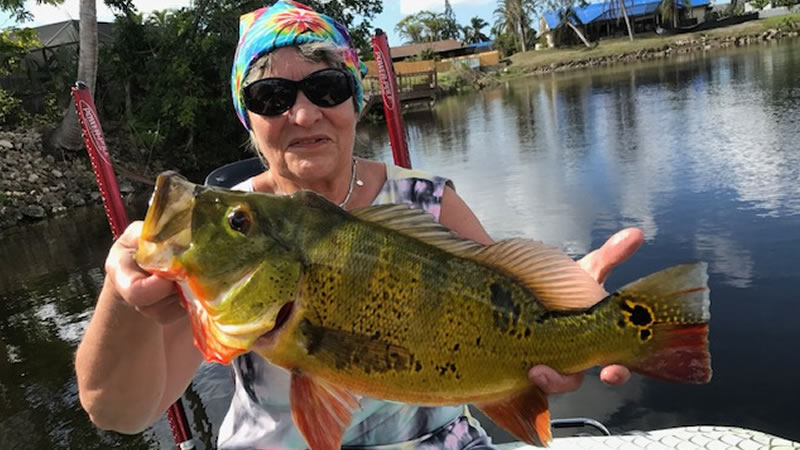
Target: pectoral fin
[[321, 411], [524, 414]]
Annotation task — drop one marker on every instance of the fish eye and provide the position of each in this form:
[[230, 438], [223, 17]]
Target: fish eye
[[240, 220]]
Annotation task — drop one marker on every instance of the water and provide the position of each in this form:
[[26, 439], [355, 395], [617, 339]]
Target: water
[[700, 153]]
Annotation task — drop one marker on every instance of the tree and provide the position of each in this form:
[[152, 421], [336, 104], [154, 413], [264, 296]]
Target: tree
[[513, 16], [170, 74], [568, 18], [17, 8], [472, 32], [346, 11], [615, 7], [15, 44], [669, 11], [68, 134], [411, 29], [451, 29], [426, 26], [185, 27], [507, 43]]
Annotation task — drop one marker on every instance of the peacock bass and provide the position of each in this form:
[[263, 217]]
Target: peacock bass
[[384, 302]]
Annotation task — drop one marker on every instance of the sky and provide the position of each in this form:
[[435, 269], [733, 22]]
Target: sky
[[393, 11]]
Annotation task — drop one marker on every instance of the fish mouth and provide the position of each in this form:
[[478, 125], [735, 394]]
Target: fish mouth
[[167, 229], [285, 314]]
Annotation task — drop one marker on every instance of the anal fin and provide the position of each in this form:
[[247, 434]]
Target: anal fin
[[524, 414], [321, 411]]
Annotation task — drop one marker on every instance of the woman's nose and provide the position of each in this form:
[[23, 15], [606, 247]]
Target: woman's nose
[[303, 112]]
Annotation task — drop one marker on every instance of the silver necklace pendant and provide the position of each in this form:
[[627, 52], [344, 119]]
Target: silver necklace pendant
[[353, 182]]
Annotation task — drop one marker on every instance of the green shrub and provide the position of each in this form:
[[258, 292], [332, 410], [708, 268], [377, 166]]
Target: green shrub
[[11, 112]]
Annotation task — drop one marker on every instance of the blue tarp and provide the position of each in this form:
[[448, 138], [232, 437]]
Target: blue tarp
[[481, 44], [600, 11]]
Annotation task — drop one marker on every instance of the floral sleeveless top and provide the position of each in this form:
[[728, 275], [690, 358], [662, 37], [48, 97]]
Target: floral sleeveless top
[[260, 418]]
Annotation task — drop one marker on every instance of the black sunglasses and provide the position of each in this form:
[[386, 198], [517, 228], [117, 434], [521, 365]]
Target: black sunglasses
[[324, 88]]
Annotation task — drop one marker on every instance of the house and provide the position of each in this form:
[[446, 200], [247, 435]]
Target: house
[[598, 20], [447, 48], [66, 33]]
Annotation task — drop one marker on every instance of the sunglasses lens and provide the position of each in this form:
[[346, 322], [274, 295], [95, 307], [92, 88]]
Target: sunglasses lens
[[273, 96], [270, 96], [328, 87]]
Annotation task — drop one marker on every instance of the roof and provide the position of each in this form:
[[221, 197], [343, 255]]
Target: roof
[[481, 44], [600, 11], [405, 51], [65, 33]]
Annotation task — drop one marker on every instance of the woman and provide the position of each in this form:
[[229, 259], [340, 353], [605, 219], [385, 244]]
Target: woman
[[295, 89]]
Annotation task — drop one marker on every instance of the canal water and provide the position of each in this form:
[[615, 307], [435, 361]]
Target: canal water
[[700, 153]]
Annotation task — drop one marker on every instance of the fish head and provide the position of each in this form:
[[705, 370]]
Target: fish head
[[237, 276]]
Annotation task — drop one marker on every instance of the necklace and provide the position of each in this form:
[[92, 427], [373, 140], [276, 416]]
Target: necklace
[[354, 180]]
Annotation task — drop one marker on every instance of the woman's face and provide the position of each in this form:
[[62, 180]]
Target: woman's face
[[307, 143]]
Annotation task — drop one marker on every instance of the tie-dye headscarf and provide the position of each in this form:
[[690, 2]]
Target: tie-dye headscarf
[[284, 24]]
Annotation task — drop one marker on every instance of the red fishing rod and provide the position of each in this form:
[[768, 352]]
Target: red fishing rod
[[117, 219], [392, 107]]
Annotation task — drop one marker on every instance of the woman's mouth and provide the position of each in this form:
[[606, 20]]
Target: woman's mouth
[[309, 141]]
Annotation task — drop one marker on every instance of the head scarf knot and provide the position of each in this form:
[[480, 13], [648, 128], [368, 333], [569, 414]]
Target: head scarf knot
[[287, 23]]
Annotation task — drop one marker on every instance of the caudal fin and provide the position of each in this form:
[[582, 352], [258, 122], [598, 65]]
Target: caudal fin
[[671, 310]]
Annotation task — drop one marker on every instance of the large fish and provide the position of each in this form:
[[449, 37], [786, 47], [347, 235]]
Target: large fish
[[384, 302]]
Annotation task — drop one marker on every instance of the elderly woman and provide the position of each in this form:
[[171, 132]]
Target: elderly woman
[[296, 89]]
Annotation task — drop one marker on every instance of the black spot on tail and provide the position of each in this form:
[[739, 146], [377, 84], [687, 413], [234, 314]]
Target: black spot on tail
[[645, 334], [640, 316]]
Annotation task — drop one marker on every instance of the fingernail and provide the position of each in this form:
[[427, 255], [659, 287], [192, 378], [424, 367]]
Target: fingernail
[[541, 380], [613, 379], [619, 237]]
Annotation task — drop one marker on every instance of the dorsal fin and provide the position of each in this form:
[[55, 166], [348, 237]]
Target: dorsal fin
[[314, 200], [418, 224], [556, 280]]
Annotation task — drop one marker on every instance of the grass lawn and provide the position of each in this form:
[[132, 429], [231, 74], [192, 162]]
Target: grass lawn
[[622, 45]]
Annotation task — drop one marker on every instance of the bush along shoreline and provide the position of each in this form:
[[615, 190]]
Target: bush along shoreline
[[35, 186]]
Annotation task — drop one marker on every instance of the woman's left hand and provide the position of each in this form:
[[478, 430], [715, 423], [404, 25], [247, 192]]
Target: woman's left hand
[[598, 263]]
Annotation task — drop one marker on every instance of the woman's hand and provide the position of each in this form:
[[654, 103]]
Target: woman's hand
[[598, 263], [150, 295]]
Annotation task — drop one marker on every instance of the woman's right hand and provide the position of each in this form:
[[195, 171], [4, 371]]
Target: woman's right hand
[[152, 296], [136, 357]]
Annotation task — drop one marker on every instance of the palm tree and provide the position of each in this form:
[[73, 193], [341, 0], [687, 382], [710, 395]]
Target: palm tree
[[411, 29], [435, 25], [472, 32], [513, 16], [68, 133], [424, 26], [670, 11], [619, 5], [567, 17], [159, 18]]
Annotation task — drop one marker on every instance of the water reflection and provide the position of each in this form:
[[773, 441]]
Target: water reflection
[[701, 154], [49, 277]]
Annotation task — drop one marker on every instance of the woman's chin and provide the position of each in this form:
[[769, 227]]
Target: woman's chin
[[312, 164]]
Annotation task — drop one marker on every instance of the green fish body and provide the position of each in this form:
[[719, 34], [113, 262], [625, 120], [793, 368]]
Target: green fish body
[[384, 302]]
